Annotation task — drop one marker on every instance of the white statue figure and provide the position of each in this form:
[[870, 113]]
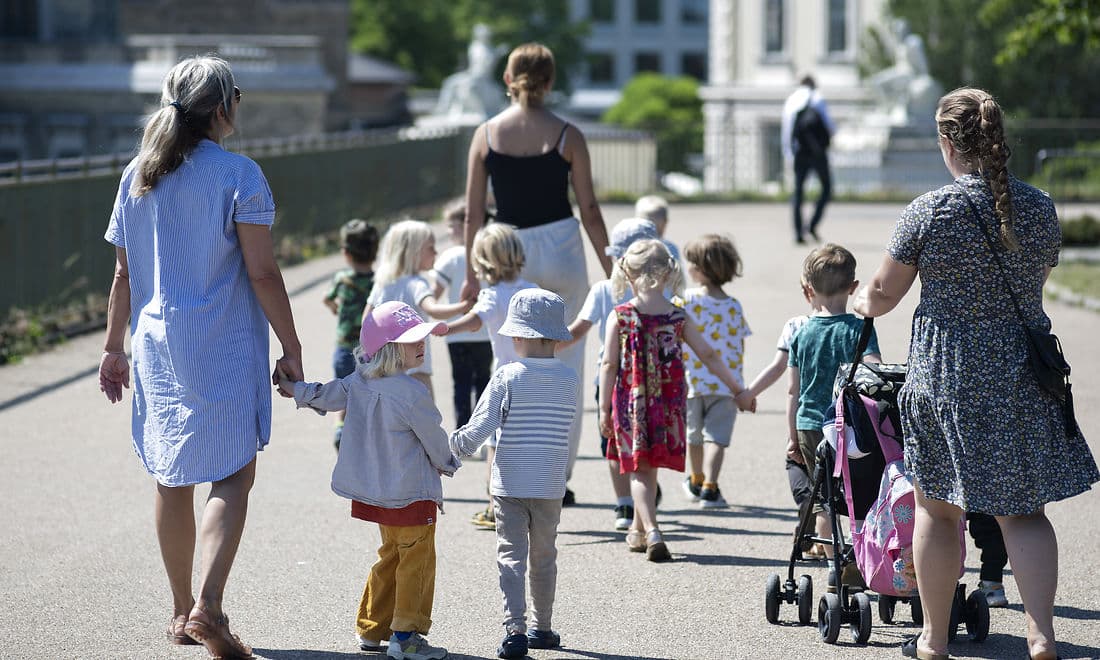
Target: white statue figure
[[906, 90], [474, 91]]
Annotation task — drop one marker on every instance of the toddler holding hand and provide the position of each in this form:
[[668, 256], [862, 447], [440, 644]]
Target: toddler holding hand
[[391, 456]]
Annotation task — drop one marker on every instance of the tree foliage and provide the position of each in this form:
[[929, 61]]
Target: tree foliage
[[1034, 56], [429, 37], [668, 107]]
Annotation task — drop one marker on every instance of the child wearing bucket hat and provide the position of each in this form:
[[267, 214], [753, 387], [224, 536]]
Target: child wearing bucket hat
[[531, 403], [392, 453]]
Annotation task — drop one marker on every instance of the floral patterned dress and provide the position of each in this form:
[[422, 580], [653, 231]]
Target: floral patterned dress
[[649, 400], [979, 431]]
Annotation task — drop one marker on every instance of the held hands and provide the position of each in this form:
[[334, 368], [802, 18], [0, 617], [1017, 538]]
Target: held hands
[[287, 371], [114, 374], [746, 401], [470, 289]]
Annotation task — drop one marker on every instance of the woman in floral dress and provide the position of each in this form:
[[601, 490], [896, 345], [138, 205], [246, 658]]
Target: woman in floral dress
[[980, 434]]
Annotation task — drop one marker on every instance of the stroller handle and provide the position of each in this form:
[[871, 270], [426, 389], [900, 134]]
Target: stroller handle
[[864, 340]]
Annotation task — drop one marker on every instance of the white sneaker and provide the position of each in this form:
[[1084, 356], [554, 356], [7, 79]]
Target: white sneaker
[[994, 593], [370, 645], [414, 648]]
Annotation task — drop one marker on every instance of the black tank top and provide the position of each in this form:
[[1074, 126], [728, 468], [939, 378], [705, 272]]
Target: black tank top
[[530, 190]]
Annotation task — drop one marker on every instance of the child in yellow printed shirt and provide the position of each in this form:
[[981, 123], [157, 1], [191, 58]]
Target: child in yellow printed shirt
[[712, 262]]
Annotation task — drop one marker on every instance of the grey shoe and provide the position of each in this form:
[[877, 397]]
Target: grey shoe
[[711, 498], [414, 648], [994, 593]]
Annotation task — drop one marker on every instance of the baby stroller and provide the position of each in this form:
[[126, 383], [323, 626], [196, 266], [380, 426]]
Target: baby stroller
[[860, 444]]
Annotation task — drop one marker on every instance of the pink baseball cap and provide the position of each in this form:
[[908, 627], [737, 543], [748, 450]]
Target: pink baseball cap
[[397, 322]]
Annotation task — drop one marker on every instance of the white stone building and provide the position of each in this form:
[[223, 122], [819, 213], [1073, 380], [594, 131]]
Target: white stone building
[[632, 36], [759, 49]]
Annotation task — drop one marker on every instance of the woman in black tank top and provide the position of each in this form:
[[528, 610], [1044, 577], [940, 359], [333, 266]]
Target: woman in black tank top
[[530, 156]]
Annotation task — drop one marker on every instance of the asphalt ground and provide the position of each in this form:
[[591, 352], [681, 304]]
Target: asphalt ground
[[81, 577]]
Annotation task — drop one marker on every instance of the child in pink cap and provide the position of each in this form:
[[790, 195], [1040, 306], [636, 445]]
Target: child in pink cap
[[391, 456]]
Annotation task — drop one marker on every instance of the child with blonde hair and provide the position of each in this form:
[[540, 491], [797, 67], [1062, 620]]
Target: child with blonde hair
[[391, 456], [642, 387], [655, 209], [498, 258], [407, 249], [713, 261]]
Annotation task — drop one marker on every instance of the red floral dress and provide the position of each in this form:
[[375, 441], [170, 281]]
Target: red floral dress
[[648, 402]]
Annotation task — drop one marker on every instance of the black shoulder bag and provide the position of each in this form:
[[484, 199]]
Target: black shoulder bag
[[1045, 356]]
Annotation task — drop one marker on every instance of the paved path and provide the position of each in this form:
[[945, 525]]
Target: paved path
[[80, 573]]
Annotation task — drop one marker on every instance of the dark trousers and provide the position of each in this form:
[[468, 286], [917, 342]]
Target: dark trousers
[[802, 485], [987, 536], [471, 366], [804, 162]]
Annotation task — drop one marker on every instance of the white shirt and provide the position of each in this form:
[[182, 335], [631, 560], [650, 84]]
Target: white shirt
[[409, 289], [799, 99], [596, 308], [450, 268], [722, 324], [492, 308], [790, 329], [533, 402]]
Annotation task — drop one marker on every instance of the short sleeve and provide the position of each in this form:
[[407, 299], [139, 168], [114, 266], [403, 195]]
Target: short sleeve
[[334, 287], [374, 299], [116, 230], [593, 310], [418, 289], [908, 240], [253, 203], [792, 352], [486, 304]]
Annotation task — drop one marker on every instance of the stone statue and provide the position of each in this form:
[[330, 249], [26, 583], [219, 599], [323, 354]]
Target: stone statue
[[906, 91], [474, 90]]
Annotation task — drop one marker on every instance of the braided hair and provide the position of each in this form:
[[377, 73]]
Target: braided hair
[[973, 122]]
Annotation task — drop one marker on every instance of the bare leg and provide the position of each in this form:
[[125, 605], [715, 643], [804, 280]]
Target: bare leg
[[643, 486], [620, 483], [175, 516], [937, 557], [713, 453], [222, 526], [1033, 551], [695, 459]]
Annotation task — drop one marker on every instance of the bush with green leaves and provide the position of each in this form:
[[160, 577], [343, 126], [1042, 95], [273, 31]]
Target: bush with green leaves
[[1081, 231], [670, 108]]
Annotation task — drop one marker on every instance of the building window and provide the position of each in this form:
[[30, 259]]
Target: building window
[[773, 27], [647, 62], [694, 65], [838, 26], [694, 12], [647, 11], [602, 11], [601, 68]]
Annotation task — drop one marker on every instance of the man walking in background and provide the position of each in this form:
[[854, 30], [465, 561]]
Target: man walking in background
[[806, 131]]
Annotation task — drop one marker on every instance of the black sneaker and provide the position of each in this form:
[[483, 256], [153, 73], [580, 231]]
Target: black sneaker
[[624, 515], [570, 499], [514, 645], [711, 498]]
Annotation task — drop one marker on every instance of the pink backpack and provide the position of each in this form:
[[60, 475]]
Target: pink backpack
[[883, 546]]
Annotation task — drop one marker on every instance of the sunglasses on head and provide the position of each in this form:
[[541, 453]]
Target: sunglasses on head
[[236, 94]]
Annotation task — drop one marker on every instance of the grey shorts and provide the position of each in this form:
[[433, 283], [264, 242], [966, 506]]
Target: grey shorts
[[710, 419]]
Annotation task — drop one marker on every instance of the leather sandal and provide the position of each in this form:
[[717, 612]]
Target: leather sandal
[[910, 650], [635, 540], [213, 633], [175, 632], [656, 550]]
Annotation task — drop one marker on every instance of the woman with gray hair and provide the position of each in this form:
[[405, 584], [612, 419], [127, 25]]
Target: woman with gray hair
[[196, 280]]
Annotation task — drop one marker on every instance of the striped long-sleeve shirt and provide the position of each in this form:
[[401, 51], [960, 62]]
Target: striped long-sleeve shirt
[[532, 402]]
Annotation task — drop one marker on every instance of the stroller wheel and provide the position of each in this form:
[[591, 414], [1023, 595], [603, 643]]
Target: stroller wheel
[[977, 616], [886, 608], [771, 599], [860, 626], [829, 614], [916, 611], [805, 595]]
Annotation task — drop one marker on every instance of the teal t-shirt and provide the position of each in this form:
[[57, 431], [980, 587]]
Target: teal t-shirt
[[818, 350]]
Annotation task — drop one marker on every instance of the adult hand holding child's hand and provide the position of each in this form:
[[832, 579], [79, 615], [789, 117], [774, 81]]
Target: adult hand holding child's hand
[[287, 371]]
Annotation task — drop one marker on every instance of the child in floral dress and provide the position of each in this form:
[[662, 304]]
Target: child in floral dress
[[642, 388]]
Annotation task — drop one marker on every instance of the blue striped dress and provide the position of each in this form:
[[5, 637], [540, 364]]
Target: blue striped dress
[[199, 339]]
